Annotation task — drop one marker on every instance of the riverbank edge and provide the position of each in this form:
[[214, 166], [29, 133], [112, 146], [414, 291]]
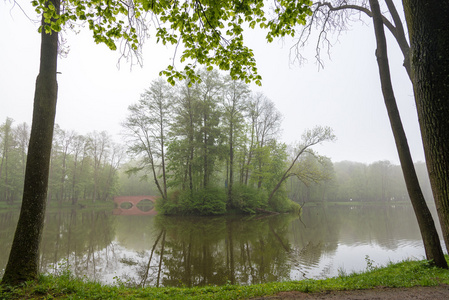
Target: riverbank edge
[[103, 205], [409, 273]]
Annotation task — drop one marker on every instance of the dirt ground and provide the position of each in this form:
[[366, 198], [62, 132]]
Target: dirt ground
[[434, 292]]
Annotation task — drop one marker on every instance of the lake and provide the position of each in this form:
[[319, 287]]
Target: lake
[[192, 251]]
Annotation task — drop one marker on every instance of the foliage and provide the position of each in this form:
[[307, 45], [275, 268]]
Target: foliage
[[248, 198], [13, 148], [209, 33], [134, 183], [403, 274], [217, 132], [82, 167], [146, 128], [207, 201], [281, 203]]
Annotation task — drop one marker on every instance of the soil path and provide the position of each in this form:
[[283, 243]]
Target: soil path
[[431, 293]]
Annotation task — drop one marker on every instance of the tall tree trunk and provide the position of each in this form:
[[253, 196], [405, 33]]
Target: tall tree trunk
[[74, 194], [426, 224], [164, 175], [23, 263], [427, 22], [231, 163], [205, 157], [4, 164]]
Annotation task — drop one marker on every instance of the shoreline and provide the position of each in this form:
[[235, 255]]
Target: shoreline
[[406, 274]]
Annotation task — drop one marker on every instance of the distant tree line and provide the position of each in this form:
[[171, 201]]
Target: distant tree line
[[93, 167], [82, 167], [355, 181]]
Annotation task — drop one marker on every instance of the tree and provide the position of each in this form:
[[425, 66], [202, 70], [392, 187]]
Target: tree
[[23, 262], [64, 139], [209, 92], [6, 147], [234, 102], [426, 224], [335, 16], [183, 145], [148, 126], [313, 180], [310, 138], [331, 16], [22, 133], [77, 148], [265, 126], [99, 144], [429, 43]]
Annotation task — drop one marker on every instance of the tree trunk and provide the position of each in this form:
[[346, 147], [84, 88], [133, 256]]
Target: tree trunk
[[426, 224], [162, 137], [231, 163], [205, 157], [23, 263], [429, 45]]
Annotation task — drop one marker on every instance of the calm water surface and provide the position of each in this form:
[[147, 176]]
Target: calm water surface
[[188, 251]]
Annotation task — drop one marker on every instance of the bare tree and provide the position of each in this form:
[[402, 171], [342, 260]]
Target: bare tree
[[334, 16]]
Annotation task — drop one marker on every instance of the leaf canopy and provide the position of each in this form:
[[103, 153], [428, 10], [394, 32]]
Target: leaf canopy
[[210, 32]]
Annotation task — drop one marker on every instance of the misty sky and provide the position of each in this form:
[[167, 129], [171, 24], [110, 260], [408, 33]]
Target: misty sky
[[94, 94]]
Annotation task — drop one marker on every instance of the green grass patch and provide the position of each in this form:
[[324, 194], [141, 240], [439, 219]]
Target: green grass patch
[[64, 286]]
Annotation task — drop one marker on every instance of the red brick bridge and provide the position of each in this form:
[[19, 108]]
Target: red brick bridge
[[133, 210]]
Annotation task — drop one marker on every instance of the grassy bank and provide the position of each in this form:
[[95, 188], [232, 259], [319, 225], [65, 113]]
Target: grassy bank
[[404, 274]]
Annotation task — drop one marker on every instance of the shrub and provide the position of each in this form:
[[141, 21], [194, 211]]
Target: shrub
[[208, 201], [281, 203], [204, 202], [247, 198], [169, 206]]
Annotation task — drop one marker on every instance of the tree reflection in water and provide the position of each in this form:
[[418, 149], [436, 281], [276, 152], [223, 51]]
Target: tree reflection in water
[[191, 251]]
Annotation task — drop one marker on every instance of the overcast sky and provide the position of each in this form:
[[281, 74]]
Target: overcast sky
[[94, 94]]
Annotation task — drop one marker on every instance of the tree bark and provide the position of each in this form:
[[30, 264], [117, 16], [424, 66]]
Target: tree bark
[[231, 159], [426, 224], [23, 263], [429, 46]]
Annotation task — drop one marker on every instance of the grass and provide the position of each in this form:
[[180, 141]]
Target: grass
[[64, 286]]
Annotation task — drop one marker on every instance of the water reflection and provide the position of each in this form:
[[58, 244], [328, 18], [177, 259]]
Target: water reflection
[[188, 251]]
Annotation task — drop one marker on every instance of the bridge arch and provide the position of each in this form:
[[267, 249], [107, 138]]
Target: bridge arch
[[134, 210]]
